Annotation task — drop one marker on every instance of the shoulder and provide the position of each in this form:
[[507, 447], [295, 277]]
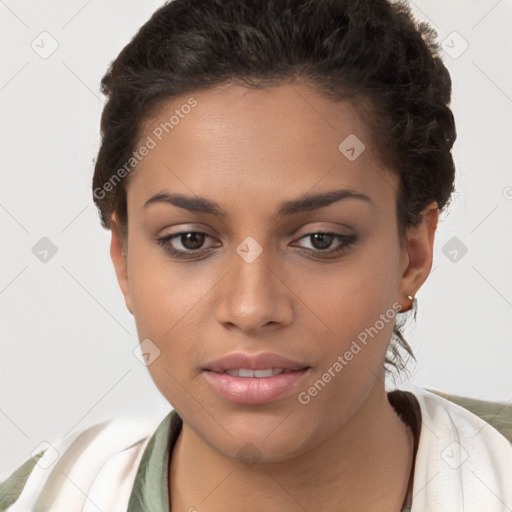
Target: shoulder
[[490, 421], [63, 468], [464, 457], [496, 414]]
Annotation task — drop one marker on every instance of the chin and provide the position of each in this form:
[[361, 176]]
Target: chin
[[257, 446]]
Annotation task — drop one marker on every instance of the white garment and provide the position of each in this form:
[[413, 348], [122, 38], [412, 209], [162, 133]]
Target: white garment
[[463, 464], [95, 470]]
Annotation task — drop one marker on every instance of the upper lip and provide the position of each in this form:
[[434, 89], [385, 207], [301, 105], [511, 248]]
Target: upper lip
[[260, 361]]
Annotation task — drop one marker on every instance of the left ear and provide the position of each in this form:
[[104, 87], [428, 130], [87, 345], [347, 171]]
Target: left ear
[[419, 253]]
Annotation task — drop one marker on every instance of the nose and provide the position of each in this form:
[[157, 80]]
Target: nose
[[254, 295]]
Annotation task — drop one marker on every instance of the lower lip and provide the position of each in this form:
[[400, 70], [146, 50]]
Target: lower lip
[[253, 390]]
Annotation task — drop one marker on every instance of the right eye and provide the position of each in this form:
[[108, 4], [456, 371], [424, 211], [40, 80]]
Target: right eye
[[190, 241]]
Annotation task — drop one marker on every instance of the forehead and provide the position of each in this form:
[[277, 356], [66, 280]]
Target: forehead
[[244, 144]]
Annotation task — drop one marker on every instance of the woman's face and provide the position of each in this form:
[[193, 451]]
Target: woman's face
[[258, 281]]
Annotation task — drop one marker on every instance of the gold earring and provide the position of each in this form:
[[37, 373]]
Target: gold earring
[[411, 298]]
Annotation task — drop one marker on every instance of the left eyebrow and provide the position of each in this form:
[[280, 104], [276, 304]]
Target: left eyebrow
[[288, 208]]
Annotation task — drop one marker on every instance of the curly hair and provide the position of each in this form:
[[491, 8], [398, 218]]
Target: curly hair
[[370, 52]]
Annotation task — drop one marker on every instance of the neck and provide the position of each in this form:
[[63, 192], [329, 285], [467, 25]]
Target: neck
[[365, 466]]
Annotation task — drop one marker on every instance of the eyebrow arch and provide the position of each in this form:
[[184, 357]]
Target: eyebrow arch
[[292, 207]]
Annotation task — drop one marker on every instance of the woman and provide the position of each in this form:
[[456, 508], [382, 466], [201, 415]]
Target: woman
[[272, 173]]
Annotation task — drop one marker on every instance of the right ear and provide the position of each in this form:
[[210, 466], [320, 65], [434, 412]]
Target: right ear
[[118, 255]]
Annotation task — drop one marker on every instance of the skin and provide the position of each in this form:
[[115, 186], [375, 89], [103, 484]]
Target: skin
[[250, 150]]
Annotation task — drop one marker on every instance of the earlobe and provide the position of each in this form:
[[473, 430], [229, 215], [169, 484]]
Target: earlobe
[[118, 256], [420, 250]]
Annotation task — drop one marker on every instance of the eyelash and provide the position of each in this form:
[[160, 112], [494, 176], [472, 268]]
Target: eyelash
[[347, 242]]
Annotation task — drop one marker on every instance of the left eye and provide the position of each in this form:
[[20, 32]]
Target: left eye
[[323, 240]]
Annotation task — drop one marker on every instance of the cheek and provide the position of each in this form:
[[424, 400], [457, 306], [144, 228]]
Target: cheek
[[169, 304], [166, 305], [355, 306], [357, 309], [354, 294], [162, 293]]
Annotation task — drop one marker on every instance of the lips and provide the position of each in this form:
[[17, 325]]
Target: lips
[[262, 361], [247, 372], [254, 378]]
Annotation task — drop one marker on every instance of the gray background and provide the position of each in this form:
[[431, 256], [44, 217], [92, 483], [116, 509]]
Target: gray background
[[67, 340]]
